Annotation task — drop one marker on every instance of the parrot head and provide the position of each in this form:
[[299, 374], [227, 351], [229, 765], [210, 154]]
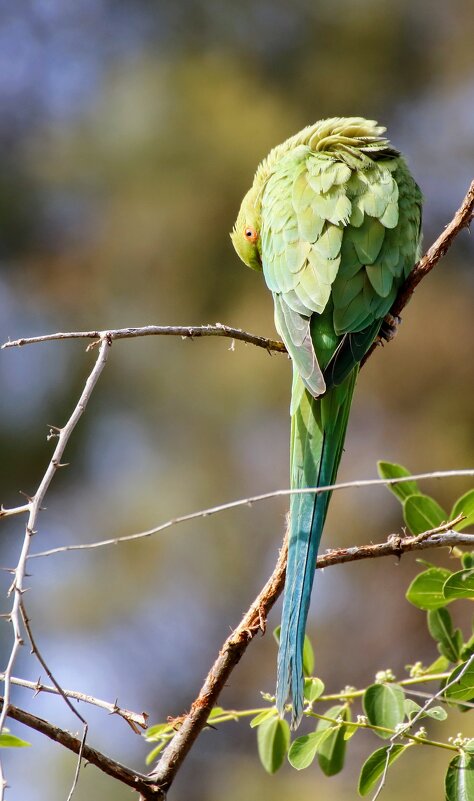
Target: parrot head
[[246, 233]]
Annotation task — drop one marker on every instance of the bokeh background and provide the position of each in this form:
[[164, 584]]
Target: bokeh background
[[129, 132]]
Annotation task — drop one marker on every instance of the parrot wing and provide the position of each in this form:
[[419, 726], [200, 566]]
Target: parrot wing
[[336, 228]]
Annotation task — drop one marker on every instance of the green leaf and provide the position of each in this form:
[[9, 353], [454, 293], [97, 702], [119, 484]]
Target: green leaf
[[440, 665], [273, 739], [422, 513], [459, 782], [462, 690], [332, 751], [459, 585], [313, 688], [411, 708], [441, 629], [468, 648], [374, 766], [153, 754], [304, 749], [156, 732], [308, 657], [405, 488], [426, 589], [262, 717], [8, 740], [465, 506], [350, 730], [383, 705], [435, 712], [216, 712], [467, 559]]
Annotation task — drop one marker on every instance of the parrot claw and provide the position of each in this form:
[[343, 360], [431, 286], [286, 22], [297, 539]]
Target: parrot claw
[[389, 327]]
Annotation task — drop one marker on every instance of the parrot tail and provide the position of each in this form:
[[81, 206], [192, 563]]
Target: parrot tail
[[318, 428]]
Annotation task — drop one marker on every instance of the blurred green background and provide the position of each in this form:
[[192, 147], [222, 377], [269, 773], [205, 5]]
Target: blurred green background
[[129, 132]]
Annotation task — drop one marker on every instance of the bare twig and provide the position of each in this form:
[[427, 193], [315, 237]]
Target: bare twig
[[223, 507], [34, 506], [35, 650], [16, 510], [132, 778], [136, 720], [183, 331]]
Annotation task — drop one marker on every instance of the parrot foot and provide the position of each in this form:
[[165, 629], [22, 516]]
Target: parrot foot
[[389, 327]]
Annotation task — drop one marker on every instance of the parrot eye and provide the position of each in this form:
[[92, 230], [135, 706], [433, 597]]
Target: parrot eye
[[250, 234]]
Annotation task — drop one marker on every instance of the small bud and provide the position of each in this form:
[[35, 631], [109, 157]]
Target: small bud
[[383, 676], [421, 732]]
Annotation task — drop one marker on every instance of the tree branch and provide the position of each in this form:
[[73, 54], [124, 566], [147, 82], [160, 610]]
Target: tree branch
[[132, 778], [183, 331], [136, 720], [34, 507]]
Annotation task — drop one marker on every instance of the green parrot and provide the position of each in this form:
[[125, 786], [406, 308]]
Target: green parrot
[[333, 219]]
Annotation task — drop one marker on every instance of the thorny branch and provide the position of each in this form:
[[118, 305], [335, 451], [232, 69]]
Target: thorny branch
[[128, 776], [34, 507], [40, 658], [192, 723], [136, 720]]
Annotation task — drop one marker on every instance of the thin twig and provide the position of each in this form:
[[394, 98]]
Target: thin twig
[[183, 331], [16, 510], [35, 650], [34, 505], [132, 778], [223, 507], [136, 720]]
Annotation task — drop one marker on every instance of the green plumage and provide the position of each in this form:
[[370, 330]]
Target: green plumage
[[333, 219]]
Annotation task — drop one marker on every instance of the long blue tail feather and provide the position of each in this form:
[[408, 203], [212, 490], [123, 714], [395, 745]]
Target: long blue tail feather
[[318, 431]]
